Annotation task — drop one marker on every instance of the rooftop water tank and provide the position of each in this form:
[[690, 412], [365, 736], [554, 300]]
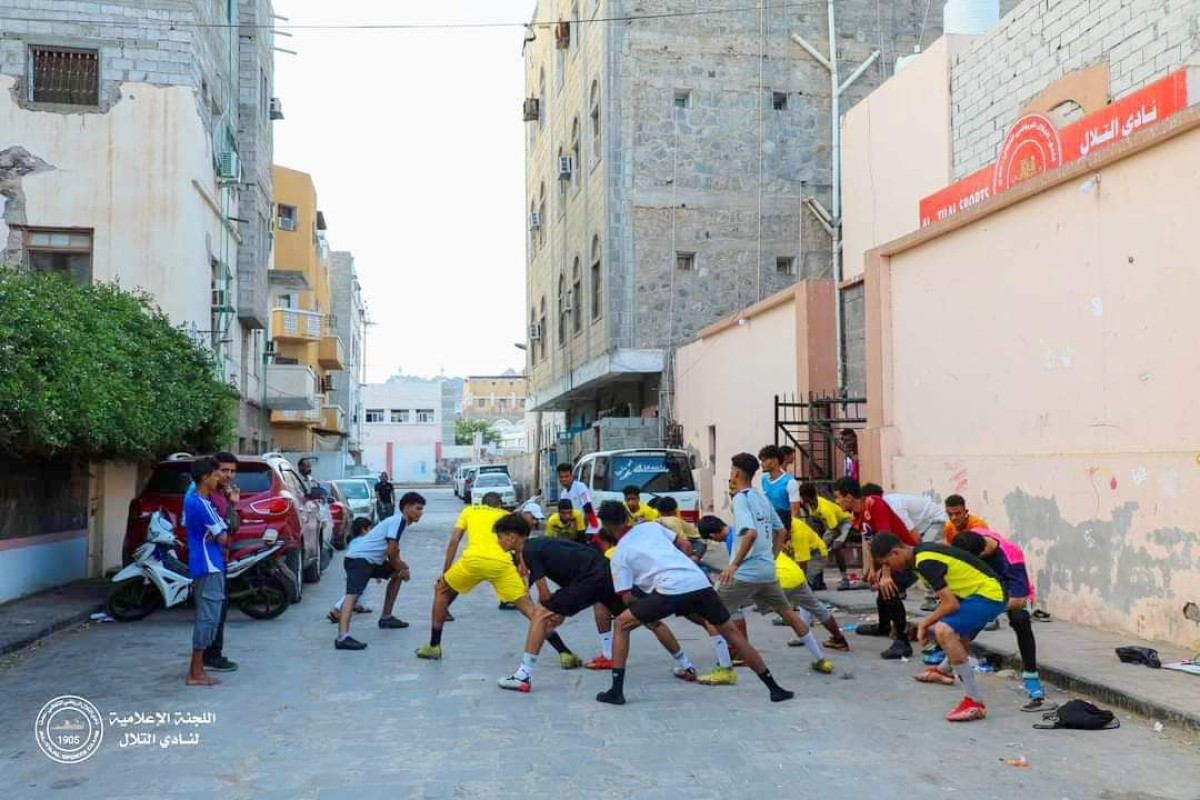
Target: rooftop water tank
[[971, 17]]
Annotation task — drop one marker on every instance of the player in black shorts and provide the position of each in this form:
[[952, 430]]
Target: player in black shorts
[[584, 580]]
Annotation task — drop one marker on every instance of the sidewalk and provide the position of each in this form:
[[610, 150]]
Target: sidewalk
[[1073, 657], [25, 621]]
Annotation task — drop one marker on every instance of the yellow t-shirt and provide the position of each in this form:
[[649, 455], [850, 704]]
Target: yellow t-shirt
[[805, 540], [644, 513], [962, 573], [788, 572], [680, 527], [608, 553], [478, 521], [830, 513], [557, 529]]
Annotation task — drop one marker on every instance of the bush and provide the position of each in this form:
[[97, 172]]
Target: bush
[[97, 372]]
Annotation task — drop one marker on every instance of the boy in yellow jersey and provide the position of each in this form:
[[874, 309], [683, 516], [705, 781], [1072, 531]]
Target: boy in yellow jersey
[[970, 595], [668, 517], [789, 566], [637, 510], [568, 523], [482, 560], [837, 533]]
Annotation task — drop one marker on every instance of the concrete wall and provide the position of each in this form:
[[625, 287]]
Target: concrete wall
[[1059, 406], [1041, 40], [407, 452]]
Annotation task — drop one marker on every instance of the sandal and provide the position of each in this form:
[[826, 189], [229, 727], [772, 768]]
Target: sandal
[[333, 617], [1041, 616]]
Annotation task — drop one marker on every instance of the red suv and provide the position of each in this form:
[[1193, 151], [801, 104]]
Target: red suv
[[272, 496]]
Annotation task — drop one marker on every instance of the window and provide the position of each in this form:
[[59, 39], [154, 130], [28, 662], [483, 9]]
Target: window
[[597, 293], [542, 324], [425, 415], [481, 403], [685, 262], [683, 98], [785, 265], [287, 218], [597, 143], [779, 101], [541, 98], [533, 230], [563, 181], [562, 310], [503, 405], [400, 416], [576, 30], [62, 75], [68, 252], [560, 67], [374, 415], [532, 343], [576, 296], [264, 95], [542, 212], [575, 155], [669, 472], [600, 475]]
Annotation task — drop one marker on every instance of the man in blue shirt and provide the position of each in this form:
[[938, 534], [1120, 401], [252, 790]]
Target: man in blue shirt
[[207, 538], [781, 489]]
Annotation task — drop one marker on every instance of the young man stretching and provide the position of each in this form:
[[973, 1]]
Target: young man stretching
[[969, 596], [581, 500], [567, 523], [648, 557], [790, 566], [482, 560], [1008, 561], [668, 517], [837, 529], [779, 486], [584, 580], [638, 511]]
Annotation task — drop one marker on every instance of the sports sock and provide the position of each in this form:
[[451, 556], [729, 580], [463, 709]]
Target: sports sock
[[618, 680], [768, 679], [555, 641], [813, 646], [606, 640], [525, 671], [722, 647], [1022, 626], [946, 666], [966, 674], [682, 659], [435, 637], [338, 605], [343, 637]]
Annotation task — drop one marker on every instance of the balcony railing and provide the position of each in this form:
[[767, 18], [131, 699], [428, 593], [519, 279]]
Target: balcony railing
[[291, 387], [332, 354], [333, 418], [311, 417], [291, 324]]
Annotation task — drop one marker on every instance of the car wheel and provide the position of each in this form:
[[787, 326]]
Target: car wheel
[[267, 597], [312, 568], [295, 564]]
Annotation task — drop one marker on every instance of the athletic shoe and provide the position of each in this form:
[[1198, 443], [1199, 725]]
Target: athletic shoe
[[930, 604], [818, 584], [1039, 704], [720, 676], [569, 661], [897, 651], [934, 675], [349, 643], [392, 622], [599, 662], [515, 684], [824, 666], [840, 644], [433, 652], [1033, 685], [966, 711], [778, 695], [844, 584], [508, 606], [688, 675], [871, 629], [934, 657], [611, 697], [220, 664]]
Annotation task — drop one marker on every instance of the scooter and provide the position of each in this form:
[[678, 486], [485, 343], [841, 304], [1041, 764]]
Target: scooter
[[156, 575]]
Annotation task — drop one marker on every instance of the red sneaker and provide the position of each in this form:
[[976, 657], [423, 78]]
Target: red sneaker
[[599, 662], [935, 675], [966, 711]]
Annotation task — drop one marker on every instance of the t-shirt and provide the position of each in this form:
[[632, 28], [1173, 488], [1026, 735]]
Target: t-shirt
[[562, 561], [680, 526], [917, 512], [781, 491], [556, 528], [1007, 556], [373, 545], [203, 526], [973, 523], [878, 517], [830, 513], [752, 512], [789, 572], [644, 513], [963, 574], [581, 496], [384, 491], [647, 558], [478, 522], [805, 540]]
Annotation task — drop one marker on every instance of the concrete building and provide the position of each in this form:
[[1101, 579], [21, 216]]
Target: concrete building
[[132, 137], [349, 320], [678, 169], [402, 428], [494, 397]]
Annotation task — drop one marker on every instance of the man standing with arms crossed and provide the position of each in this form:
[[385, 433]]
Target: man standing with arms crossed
[[581, 500], [207, 539]]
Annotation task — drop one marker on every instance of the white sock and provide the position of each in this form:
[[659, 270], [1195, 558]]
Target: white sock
[[606, 644], [966, 674], [343, 637], [525, 671], [945, 666], [682, 659], [338, 606], [722, 648], [813, 646]]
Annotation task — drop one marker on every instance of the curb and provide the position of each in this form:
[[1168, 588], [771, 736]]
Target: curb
[[57, 625]]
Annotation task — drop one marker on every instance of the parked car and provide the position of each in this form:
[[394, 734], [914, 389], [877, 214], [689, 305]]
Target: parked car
[[271, 497], [497, 482], [359, 497], [460, 480], [339, 509], [657, 472]]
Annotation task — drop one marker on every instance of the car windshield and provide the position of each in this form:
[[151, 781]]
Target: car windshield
[[492, 479], [174, 478], [653, 473], [355, 490]]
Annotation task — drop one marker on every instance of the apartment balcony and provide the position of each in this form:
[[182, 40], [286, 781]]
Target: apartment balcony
[[291, 387], [333, 419], [294, 325], [331, 355], [306, 418]]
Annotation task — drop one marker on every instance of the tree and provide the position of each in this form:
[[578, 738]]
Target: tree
[[464, 431]]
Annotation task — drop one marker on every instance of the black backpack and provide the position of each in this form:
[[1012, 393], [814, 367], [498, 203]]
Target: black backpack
[[1079, 715]]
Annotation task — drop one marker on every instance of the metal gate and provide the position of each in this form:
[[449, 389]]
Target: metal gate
[[814, 427]]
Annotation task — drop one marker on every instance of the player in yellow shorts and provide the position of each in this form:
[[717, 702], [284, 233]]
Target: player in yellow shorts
[[482, 560]]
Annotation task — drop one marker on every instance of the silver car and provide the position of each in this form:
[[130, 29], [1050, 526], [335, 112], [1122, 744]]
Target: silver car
[[496, 482], [359, 497]]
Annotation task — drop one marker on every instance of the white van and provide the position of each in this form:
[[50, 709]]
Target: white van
[[657, 472]]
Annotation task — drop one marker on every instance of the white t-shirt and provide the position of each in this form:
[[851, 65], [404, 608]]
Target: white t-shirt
[[646, 557], [373, 544], [915, 511], [580, 496]]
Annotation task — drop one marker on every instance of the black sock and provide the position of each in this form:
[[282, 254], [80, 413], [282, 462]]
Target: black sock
[[897, 617], [435, 637], [1023, 627], [768, 679], [555, 641], [881, 610], [618, 680], [778, 693]]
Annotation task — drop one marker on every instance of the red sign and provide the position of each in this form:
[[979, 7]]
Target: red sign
[[1034, 146]]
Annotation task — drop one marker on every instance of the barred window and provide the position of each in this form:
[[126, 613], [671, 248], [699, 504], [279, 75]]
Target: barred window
[[60, 75]]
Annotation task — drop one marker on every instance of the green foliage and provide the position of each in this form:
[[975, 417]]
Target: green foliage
[[97, 372], [464, 431]]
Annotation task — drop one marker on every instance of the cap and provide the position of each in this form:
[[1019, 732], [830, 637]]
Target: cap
[[534, 509]]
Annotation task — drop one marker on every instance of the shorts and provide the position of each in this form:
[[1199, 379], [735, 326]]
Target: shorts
[[585, 593], [359, 572], [804, 597], [973, 614], [703, 603], [467, 573], [768, 596], [208, 593], [1016, 583]]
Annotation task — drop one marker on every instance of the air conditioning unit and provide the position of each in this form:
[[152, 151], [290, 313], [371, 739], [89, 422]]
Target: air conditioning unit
[[229, 166], [562, 35], [276, 108], [535, 221], [565, 167], [535, 332], [531, 110], [220, 299]]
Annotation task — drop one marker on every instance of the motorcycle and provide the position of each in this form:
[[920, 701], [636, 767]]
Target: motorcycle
[[253, 581]]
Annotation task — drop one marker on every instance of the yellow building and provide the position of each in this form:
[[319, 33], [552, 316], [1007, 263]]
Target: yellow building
[[305, 351], [494, 396]]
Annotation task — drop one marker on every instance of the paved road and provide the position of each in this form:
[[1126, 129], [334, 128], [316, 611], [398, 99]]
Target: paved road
[[301, 720]]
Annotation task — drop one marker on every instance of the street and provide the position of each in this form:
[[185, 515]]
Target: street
[[301, 720]]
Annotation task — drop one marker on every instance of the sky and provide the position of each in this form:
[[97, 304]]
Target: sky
[[415, 143]]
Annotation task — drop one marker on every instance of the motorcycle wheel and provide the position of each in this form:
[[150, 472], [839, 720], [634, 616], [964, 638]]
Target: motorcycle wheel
[[132, 599], [268, 597]]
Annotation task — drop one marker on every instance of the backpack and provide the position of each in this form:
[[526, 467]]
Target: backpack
[[1079, 715]]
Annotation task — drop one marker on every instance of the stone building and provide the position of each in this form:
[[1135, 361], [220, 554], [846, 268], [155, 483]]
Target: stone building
[[678, 165], [494, 396], [348, 320]]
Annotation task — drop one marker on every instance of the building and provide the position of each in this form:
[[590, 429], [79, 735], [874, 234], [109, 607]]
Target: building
[[402, 428], [349, 320], [494, 397], [678, 168], [307, 349], [1027, 269], [132, 139]]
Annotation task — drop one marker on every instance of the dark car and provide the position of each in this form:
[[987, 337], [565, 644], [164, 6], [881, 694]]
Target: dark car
[[340, 510]]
